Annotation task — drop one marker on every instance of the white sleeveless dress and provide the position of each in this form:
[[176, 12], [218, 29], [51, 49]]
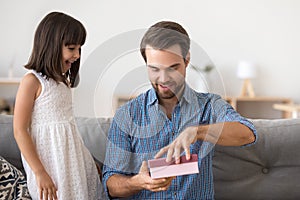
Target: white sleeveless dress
[[59, 145]]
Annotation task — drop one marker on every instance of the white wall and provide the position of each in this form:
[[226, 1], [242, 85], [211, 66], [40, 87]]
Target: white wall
[[262, 31]]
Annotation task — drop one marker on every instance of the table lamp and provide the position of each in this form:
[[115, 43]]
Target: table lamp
[[246, 71]]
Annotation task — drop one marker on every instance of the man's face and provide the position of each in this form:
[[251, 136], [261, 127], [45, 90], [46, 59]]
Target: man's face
[[166, 70]]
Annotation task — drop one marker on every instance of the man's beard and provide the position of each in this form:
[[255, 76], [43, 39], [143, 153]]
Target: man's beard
[[169, 94]]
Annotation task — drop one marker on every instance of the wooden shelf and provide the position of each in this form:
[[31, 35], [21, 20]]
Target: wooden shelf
[[8, 90], [254, 107], [9, 80], [250, 107]]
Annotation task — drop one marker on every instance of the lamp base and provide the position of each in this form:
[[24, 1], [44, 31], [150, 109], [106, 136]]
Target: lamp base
[[247, 89]]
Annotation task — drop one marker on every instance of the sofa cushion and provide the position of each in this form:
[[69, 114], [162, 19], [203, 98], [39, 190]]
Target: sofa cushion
[[8, 146], [94, 134], [12, 182], [270, 169]]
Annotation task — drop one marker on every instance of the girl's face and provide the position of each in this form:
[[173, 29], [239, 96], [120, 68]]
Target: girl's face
[[70, 53]]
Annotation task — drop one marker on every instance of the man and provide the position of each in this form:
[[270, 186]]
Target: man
[[169, 119]]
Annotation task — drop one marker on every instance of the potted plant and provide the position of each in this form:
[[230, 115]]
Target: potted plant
[[199, 80]]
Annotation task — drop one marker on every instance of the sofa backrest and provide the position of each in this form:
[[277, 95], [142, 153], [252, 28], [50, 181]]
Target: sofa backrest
[[94, 134], [8, 146], [270, 169], [92, 130]]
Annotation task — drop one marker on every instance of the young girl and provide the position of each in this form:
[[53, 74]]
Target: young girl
[[57, 164]]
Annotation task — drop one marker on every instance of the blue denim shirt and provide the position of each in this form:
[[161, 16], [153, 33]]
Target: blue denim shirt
[[141, 128]]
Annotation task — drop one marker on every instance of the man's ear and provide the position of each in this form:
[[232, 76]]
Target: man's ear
[[187, 59]]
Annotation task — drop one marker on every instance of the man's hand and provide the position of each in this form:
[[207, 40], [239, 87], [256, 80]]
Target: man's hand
[[154, 185], [180, 144], [125, 186]]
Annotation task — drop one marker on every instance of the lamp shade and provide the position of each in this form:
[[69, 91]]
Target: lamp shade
[[246, 70]]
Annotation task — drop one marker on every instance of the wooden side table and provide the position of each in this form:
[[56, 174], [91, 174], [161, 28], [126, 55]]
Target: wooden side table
[[292, 108]]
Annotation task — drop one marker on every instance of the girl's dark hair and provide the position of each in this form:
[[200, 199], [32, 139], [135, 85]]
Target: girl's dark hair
[[55, 30], [163, 35]]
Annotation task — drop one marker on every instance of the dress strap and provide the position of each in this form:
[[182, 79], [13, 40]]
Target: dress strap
[[40, 77]]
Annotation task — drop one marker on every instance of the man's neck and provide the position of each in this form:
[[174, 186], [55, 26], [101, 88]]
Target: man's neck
[[169, 104]]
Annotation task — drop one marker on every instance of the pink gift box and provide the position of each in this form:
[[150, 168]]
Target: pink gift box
[[159, 168]]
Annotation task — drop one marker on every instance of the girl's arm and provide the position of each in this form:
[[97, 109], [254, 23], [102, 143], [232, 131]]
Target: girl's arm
[[28, 91], [26, 95]]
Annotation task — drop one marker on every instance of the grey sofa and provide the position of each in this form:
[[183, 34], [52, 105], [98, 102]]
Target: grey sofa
[[269, 169]]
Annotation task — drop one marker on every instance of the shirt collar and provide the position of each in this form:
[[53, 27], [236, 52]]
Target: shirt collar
[[188, 93], [152, 98]]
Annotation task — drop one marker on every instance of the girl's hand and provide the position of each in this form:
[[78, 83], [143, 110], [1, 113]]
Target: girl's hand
[[46, 186]]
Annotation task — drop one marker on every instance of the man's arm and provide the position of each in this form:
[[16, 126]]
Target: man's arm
[[122, 186], [225, 133], [226, 127]]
